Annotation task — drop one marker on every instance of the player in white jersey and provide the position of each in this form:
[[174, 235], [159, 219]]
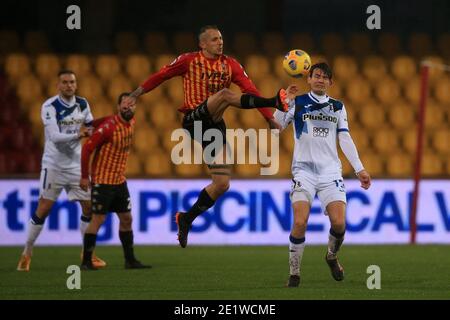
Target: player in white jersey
[[63, 117], [318, 121]]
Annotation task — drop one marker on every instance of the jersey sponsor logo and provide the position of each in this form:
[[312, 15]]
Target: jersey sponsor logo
[[70, 122], [319, 117], [320, 132]]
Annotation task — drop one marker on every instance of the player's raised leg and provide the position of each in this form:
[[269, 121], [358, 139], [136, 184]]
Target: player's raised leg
[[35, 226], [126, 238], [336, 213], [86, 216], [297, 241], [218, 102]]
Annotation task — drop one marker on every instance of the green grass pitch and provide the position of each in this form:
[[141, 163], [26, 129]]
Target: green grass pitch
[[242, 272]]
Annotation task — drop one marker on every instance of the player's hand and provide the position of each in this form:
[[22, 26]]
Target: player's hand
[[84, 132], [364, 178], [129, 101], [273, 124], [292, 91], [85, 184]]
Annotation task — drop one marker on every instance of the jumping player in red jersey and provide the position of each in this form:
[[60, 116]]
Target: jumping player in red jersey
[[207, 75], [112, 142]]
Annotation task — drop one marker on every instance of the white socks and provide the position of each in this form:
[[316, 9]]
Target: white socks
[[296, 247], [33, 233]]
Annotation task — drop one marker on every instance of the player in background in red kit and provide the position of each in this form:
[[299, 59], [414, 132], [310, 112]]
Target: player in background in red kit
[[207, 74]]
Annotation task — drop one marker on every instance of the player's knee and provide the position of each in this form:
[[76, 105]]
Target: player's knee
[[126, 220], [299, 224]]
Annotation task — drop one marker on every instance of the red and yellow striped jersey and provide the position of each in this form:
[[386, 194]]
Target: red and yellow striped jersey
[[203, 77], [112, 141]]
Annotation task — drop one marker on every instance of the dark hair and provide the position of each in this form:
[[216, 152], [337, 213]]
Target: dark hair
[[65, 71], [123, 94], [207, 27], [322, 66]]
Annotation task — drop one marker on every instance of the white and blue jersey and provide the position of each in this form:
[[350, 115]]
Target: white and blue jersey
[[317, 121], [62, 122]]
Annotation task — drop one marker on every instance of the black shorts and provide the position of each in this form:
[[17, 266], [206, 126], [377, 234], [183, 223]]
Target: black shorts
[[110, 198], [201, 113]]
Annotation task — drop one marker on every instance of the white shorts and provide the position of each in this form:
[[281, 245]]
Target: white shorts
[[305, 189], [52, 182]]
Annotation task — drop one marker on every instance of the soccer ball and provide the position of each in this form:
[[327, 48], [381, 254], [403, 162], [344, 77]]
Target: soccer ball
[[297, 63]]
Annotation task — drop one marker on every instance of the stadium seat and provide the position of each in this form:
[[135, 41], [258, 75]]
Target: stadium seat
[[107, 67], [185, 42], [188, 170], [387, 91], [231, 117], [257, 66], [9, 41], [432, 165], [373, 163], [102, 108], [145, 140], [409, 140], [403, 68], [287, 140], [47, 66], [360, 44], [175, 91], [90, 87], [411, 89], [399, 165], [284, 166], [36, 42], [157, 164], [152, 97], [402, 115], [434, 117], [371, 115], [420, 45], [163, 60], [386, 140], [269, 85], [441, 90], [374, 68], [447, 167], [28, 89], [134, 167], [358, 91], [138, 68], [332, 44], [126, 43], [118, 85], [443, 43], [17, 65], [344, 68], [156, 43], [162, 115], [336, 91], [80, 64], [360, 137], [441, 141], [303, 41], [244, 44], [389, 45], [273, 44]]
